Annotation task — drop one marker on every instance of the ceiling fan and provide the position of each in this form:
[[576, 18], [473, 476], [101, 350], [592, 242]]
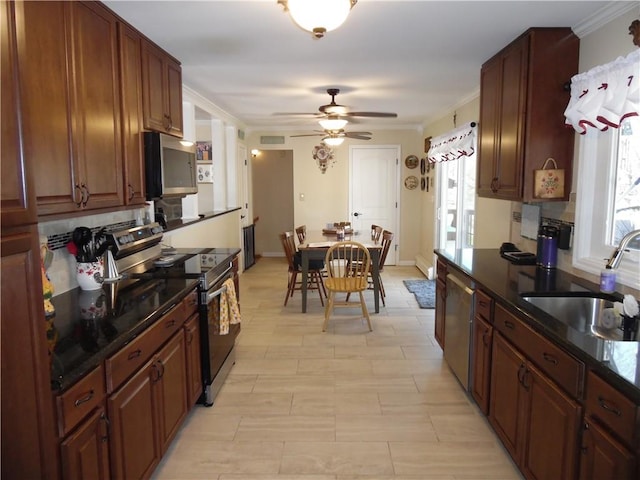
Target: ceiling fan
[[333, 109]]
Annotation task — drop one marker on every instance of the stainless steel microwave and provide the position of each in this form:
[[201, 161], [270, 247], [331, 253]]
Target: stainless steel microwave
[[170, 167]]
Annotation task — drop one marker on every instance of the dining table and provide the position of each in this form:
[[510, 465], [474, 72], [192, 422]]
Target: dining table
[[315, 247]]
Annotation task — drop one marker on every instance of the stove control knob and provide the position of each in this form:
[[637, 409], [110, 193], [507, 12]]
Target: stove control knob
[[122, 240]]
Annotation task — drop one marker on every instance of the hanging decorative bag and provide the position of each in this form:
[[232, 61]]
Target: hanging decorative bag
[[549, 182]]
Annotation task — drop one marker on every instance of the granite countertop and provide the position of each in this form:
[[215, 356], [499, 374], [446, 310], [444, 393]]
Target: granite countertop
[[89, 326], [617, 361]]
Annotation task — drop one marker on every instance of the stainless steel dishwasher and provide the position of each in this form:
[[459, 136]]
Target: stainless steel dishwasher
[[457, 326]]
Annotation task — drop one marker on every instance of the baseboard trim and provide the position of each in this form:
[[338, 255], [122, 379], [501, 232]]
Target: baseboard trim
[[425, 267]]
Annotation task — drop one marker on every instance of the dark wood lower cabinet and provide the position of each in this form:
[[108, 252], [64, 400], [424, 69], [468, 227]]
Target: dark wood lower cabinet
[[481, 363], [603, 456], [146, 412], [194, 367], [85, 452], [441, 298], [537, 422]]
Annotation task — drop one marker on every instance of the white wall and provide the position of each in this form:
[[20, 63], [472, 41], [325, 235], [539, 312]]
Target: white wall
[[326, 196]]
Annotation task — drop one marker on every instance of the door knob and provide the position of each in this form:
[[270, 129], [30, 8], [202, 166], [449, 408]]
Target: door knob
[[357, 214]]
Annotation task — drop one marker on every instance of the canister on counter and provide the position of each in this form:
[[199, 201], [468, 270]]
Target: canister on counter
[[547, 248]]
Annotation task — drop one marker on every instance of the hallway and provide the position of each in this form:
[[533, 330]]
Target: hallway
[[342, 405]]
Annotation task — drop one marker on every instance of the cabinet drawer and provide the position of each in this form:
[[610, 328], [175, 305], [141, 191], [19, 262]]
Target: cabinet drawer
[[483, 305], [80, 400], [612, 408], [564, 369], [132, 356], [190, 303]]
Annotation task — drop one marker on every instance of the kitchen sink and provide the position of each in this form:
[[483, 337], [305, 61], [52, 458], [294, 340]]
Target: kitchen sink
[[592, 315]]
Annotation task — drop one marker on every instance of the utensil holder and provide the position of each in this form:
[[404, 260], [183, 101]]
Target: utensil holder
[[90, 274]]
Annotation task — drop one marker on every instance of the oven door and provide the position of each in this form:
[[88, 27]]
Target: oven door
[[217, 340]]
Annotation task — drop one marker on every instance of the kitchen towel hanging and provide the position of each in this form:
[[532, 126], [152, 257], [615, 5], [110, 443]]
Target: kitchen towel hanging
[[549, 182], [229, 311]]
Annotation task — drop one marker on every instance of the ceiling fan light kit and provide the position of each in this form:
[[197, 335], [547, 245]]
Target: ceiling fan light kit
[[333, 141], [318, 16], [333, 123]]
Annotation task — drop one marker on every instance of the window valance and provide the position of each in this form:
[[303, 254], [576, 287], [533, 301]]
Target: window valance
[[455, 144], [605, 95]]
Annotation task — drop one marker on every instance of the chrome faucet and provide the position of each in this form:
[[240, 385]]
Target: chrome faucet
[[614, 261]]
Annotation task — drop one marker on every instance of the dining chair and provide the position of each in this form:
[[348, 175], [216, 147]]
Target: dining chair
[[301, 232], [376, 232], [348, 275], [315, 278], [387, 240]]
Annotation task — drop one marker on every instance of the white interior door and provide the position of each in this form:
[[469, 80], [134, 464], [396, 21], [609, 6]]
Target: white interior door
[[373, 190]]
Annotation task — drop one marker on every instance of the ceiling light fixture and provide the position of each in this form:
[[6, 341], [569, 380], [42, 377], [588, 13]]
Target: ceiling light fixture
[[333, 141], [318, 16], [333, 123]]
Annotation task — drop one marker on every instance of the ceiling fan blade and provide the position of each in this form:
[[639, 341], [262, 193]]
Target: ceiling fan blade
[[360, 137], [310, 135], [358, 133], [298, 114], [371, 114]]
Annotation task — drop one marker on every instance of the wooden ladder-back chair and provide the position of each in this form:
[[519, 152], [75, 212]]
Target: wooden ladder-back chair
[[301, 232], [387, 240], [347, 265], [315, 278], [376, 233]]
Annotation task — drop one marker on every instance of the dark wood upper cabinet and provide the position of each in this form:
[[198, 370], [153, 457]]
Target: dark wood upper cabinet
[[131, 98], [18, 194], [68, 67], [162, 90], [522, 103]]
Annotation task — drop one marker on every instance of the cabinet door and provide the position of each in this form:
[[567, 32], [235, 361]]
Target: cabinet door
[[603, 457], [18, 197], [96, 108], [28, 432], [551, 429], [441, 298], [172, 388], [154, 85], [135, 446], [507, 397], [481, 363], [489, 128], [131, 97], [174, 97], [509, 163], [194, 368], [46, 100], [85, 453]]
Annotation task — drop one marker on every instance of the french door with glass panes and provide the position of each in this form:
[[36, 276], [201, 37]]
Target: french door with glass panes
[[456, 203]]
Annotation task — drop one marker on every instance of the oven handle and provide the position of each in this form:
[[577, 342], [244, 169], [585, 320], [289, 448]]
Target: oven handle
[[214, 294]]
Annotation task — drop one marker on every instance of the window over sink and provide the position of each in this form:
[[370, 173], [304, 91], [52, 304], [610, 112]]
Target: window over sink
[[608, 199]]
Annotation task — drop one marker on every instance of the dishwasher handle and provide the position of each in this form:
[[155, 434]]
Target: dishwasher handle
[[460, 284]]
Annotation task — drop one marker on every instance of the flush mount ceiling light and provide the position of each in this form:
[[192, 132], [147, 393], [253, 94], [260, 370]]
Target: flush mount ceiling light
[[318, 16], [334, 123]]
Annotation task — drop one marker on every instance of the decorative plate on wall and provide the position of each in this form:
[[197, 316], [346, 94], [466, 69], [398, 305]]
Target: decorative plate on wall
[[411, 182], [411, 161]]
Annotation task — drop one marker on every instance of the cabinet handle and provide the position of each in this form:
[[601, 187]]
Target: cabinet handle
[[131, 192], [608, 407], [107, 424], [161, 368], [550, 358], [79, 203], [526, 374], [495, 184], [85, 399], [170, 323], [510, 325], [85, 200], [134, 354], [485, 338], [189, 337], [155, 372], [521, 370]]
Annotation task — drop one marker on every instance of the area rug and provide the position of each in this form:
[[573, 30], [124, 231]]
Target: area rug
[[424, 291]]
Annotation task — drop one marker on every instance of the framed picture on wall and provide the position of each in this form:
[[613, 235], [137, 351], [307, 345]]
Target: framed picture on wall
[[203, 152]]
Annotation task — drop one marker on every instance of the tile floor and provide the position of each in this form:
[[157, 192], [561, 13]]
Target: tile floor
[[342, 405]]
